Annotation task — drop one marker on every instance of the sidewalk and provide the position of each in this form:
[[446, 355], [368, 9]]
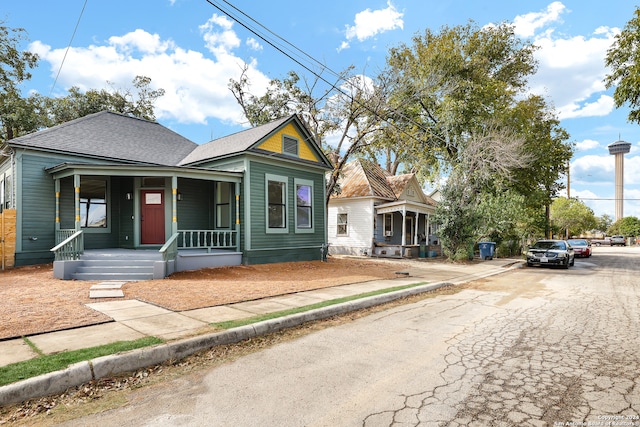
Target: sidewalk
[[187, 332]]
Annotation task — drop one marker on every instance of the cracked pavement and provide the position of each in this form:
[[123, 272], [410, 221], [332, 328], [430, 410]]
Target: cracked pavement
[[533, 347]]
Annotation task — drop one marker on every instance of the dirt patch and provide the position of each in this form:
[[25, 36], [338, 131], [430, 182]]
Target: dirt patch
[[33, 302]]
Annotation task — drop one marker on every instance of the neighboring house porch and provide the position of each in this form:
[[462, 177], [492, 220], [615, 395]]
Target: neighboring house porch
[[378, 214]]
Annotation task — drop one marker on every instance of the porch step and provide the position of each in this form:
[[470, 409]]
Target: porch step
[[127, 277], [127, 266], [104, 271]]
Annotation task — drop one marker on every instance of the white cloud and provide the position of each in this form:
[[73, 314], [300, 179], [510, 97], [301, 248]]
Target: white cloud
[[571, 69], [527, 25], [587, 144], [601, 107], [195, 85], [254, 44], [219, 42], [370, 23]]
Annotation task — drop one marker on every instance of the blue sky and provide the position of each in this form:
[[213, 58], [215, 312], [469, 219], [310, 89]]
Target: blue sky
[[191, 49]]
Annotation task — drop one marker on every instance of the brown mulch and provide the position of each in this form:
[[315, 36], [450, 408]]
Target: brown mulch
[[32, 301]]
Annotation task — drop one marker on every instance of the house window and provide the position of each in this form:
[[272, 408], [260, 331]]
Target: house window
[[5, 192], [93, 202], [388, 224], [223, 205], [343, 224], [304, 205], [289, 146], [276, 204]]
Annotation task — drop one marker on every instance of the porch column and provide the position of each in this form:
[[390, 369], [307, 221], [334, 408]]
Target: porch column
[[56, 185], [76, 186], [174, 205], [426, 229], [237, 210], [415, 234], [404, 226]]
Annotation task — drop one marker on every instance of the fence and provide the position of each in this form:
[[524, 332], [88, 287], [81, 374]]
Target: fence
[[7, 238]]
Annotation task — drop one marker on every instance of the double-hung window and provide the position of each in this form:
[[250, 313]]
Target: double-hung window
[[343, 224], [276, 204], [304, 205]]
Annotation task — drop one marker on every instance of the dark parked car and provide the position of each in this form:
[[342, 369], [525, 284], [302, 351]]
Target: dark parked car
[[581, 247], [551, 252]]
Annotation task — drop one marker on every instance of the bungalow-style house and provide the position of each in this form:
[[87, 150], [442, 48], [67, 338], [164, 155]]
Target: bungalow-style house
[[378, 214], [107, 183]]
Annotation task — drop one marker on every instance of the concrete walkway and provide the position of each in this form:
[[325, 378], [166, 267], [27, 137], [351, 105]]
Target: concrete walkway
[[189, 331]]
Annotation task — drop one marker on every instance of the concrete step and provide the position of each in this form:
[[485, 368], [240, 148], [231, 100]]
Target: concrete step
[[89, 268], [126, 277], [118, 262]]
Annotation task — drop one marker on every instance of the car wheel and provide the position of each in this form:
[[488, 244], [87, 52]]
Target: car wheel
[[566, 264], [529, 264], [573, 262]]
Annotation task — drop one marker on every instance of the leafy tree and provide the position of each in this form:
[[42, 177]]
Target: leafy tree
[[623, 58], [78, 104], [572, 216], [14, 70], [454, 82], [603, 223], [460, 94], [628, 226], [466, 198]]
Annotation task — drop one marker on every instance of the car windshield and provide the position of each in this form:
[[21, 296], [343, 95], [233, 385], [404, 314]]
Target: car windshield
[[548, 245], [578, 242]]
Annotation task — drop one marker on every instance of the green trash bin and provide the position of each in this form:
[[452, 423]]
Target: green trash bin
[[487, 250], [423, 251]]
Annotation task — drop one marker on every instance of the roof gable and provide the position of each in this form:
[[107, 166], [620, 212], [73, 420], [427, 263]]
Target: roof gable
[[112, 136], [362, 178], [267, 138]]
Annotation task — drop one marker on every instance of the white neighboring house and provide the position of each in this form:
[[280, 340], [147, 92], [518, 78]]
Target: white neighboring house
[[379, 214]]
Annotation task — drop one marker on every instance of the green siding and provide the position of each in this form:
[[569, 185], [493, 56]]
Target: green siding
[[290, 246], [36, 210], [196, 204]]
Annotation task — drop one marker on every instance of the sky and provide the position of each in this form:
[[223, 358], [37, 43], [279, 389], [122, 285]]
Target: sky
[[191, 49]]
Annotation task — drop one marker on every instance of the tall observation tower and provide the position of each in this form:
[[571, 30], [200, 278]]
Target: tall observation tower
[[619, 149]]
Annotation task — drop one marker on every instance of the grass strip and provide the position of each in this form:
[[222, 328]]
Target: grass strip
[[55, 362], [255, 319], [33, 346]]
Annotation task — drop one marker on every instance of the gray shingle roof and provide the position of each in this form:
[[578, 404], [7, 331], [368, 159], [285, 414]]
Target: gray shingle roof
[[232, 144], [112, 136]]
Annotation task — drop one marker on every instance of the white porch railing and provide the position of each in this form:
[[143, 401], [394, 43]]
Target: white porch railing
[[70, 246], [207, 239]]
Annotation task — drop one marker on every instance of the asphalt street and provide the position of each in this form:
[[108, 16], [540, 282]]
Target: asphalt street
[[535, 346]]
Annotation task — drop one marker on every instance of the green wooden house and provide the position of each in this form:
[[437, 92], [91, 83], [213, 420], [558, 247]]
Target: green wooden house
[[110, 196]]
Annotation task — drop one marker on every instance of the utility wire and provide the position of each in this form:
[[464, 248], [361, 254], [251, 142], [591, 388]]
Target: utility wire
[[333, 86], [68, 47]]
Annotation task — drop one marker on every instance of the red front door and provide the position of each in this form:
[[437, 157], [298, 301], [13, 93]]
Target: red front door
[[152, 217]]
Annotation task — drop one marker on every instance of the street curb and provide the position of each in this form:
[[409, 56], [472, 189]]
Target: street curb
[[101, 367]]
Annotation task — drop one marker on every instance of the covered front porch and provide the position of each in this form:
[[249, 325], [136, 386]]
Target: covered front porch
[[188, 219], [403, 229]]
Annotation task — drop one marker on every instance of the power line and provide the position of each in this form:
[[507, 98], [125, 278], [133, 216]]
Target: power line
[[68, 47], [333, 86]]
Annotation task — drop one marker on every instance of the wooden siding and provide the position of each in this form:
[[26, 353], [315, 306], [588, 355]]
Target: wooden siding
[[360, 223], [274, 143], [271, 247]]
